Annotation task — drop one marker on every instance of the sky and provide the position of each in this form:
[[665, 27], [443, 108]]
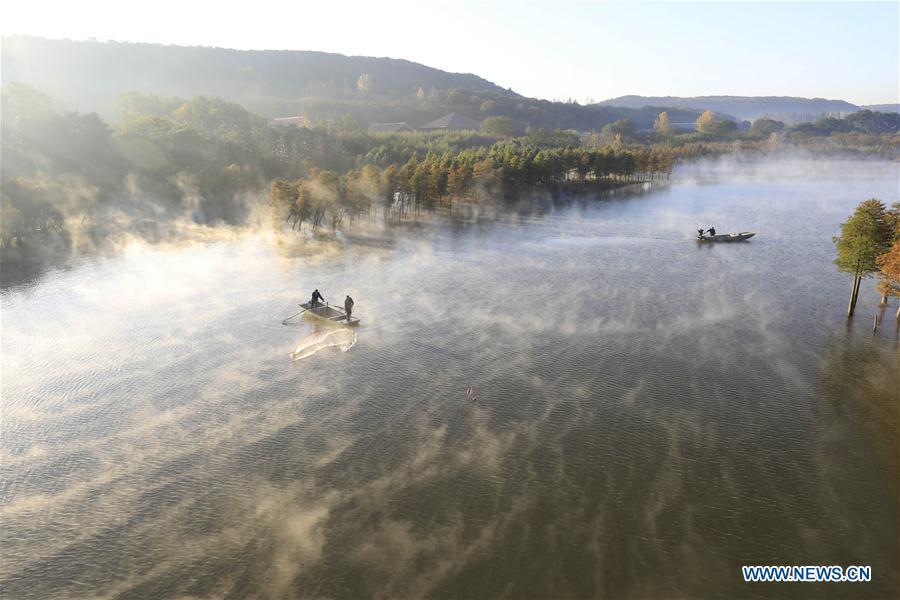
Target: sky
[[552, 50]]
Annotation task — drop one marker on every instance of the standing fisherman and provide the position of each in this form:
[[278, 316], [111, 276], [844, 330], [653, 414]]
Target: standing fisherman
[[316, 297], [348, 306]]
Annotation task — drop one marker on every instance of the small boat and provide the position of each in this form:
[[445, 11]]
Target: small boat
[[727, 237], [330, 313]]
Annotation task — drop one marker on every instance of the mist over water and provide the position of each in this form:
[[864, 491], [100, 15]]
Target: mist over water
[[651, 413]]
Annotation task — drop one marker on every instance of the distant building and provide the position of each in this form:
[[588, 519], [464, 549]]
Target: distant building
[[389, 127], [453, 121]]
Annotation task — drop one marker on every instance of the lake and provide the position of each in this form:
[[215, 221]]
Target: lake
[[650, 415]]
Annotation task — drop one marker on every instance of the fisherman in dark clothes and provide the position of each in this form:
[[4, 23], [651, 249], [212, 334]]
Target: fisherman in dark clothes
[[348, 306], [316, 297], [712, 231]]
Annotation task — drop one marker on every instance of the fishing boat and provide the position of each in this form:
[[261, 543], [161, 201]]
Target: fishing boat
[[727, 237], [329, 312]]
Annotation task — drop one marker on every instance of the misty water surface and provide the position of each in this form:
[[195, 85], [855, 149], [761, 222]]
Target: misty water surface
[[651, 414]]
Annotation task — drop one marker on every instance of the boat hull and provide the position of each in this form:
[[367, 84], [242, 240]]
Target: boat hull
[[332, 314], [728, 237]]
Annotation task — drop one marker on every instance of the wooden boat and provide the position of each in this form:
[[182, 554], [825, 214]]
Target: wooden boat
[[727, 237], [330, 313]]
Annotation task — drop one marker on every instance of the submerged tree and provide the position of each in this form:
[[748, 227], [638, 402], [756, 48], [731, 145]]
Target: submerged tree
[[889, 265], [889, 262], [866, 235]]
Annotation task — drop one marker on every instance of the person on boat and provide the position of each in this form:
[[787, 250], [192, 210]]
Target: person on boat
[[316, 298], [348, 306], [712, 231], [699, 234]]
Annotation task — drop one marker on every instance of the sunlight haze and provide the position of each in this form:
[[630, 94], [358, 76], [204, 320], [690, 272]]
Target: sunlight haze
[[551, 50], [383, 300]]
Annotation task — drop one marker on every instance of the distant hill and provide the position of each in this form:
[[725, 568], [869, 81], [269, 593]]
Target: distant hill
[[891, 108], [89, 75], [785, 108], [314, 86]]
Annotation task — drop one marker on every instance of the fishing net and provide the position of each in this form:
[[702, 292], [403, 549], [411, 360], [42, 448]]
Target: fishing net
[[343, 339]]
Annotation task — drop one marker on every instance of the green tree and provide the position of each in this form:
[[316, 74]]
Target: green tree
[[620, 129], [134, 104], [27, 209], [349, 126], [485, 177], [370, 184], [216, 117], [390, 183], [421, 183], [282, 195], [20, 102], [488, 106], [766, 127], [866, 235], [439, 179], [499, 126], [868, 121], [459, 180]]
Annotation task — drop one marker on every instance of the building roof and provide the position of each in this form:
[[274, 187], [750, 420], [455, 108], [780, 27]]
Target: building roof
[[389, 127], [452, 121]]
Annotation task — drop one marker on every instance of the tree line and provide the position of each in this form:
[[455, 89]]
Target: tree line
[[70, 175], [500, 173]]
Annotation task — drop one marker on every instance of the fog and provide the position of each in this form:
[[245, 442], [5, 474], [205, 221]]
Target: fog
[[786, 164], [651, 414]]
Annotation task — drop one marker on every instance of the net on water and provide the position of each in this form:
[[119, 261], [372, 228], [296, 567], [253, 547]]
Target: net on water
[[342, 338]]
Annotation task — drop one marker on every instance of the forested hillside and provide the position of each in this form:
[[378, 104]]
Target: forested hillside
[[90, 77], [894, 108], [72, 177], [783, 108]]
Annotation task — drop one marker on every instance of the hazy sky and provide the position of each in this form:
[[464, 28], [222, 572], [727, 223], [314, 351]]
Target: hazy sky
[[544, 49]]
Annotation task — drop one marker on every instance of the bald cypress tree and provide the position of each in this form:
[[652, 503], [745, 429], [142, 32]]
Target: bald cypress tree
[[866, 235], [889, 263]]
